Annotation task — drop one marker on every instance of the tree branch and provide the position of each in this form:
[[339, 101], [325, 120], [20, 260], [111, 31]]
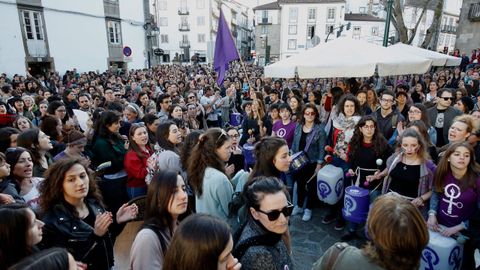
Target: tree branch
[[424, 10]]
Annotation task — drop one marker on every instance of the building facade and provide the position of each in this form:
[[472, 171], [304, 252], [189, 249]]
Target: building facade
[[188, 28], [468, 31], [444, 39], [267, 33], [41, 35]]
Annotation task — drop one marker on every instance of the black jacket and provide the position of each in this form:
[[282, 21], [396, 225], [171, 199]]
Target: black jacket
[[63, 229]]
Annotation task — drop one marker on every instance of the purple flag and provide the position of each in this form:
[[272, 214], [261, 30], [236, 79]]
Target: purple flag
[[225, 50]]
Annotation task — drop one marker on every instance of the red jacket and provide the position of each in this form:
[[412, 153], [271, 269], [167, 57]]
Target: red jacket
[[136, 168]]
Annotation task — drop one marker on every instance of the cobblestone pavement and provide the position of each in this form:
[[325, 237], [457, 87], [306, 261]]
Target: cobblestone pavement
[[311, 239]]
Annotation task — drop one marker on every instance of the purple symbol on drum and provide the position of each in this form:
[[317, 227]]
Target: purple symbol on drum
[[455, 258], [431, 257], [323, 189], [339, 187], [350, 205]]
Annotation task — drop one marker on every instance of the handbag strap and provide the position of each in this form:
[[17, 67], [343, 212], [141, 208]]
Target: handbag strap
[[332, 259]]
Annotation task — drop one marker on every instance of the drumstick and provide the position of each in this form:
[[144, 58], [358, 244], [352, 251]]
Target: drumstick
[[311, 178]]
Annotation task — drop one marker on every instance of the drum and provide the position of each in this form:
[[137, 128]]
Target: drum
[[356, 204], [248, 152], [442, 252], [235, 119], [330, 184], [299, 160]]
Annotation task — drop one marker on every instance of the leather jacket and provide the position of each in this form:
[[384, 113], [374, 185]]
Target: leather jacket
[[63, 229]]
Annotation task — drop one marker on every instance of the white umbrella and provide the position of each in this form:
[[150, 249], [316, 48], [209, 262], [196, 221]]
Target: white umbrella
[[439, 59], [345, 57]]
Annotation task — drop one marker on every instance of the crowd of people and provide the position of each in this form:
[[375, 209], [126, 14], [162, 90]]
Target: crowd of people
[[221, 169]]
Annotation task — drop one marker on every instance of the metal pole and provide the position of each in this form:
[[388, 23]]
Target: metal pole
[[387, 23]]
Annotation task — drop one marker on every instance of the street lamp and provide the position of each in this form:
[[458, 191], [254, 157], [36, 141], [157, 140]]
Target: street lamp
[[387, 23]]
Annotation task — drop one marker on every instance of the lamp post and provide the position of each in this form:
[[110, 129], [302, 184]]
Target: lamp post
[[387, 23]]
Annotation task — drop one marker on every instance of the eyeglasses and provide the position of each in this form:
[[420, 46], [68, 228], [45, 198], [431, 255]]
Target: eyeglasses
[[414, 112], [118, 95], [368, 127], [310, 113], [234, 136], [448, 98], [275, 214], [387, 100]]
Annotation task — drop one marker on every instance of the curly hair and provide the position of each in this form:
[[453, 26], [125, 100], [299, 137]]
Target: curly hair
[[380, 144], [204, 155], [51, 190], [352, 98]]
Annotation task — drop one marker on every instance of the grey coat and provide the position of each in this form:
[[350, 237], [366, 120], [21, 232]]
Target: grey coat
[[449, 114], [263, 257]]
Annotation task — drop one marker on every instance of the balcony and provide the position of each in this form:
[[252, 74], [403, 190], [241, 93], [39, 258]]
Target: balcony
[[184, 44], [265, 20], [183, 27], [448, 29], [215, 12], [474, 12], [183, 11], [234, 21]]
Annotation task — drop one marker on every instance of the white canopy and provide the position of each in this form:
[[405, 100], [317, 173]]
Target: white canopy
[[346, 57], [438, 59]]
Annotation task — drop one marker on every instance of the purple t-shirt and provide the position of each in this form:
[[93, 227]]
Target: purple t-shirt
[[455, 205], [285, 131]]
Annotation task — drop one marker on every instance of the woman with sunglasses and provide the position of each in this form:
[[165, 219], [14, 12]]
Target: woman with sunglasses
[[206, 173], [135, 161], [263, 241], [309, 137]]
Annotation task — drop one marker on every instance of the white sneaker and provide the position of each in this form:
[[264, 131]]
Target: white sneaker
[[307, 215], [297, 210]]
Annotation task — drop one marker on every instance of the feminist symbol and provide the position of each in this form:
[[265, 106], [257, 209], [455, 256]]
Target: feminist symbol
[[455, 258], [350, 205], [452, 192], [430, 256], [281, 132], [339, 187], [323, 189]]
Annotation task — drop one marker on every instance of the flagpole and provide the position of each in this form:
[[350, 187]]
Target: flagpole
[[239, 56]]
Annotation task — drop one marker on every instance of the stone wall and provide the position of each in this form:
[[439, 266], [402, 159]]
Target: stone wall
[[468, 32]]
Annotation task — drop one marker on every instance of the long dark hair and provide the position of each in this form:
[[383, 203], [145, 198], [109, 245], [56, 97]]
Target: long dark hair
[[198, 241], [443, 169], [163, 131], [265, 151], [29, 140], [380, 144], [133, 145], [14, 226], [352, 98], [51, 190], [314, 108], [52, 259], [107, 118], [204, 155], [160, 192], [190, 141]]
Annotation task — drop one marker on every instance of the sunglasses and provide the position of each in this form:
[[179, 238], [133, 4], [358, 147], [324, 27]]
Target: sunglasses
[[310, 113], [448, 98], [275, 214]]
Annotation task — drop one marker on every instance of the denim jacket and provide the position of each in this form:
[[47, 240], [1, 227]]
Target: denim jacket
[[316, 151]]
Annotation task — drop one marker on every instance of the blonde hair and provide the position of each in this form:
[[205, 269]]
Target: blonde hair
[[469, 120]]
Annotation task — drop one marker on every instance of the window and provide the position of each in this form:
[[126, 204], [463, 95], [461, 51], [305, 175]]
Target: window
[[33, 25], [185, 38], [310, 31], [201, 38], [292, 44], [312, 14], [440, 39], [162, 5], [163, 21], [331, 14], [164, 38], [447, 40], [293, 14], [200, 4], [375, 30], [114, 32], [327, 28], [292, 29], [356, 32], [265, 14], [264, 29], [201, 20]]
